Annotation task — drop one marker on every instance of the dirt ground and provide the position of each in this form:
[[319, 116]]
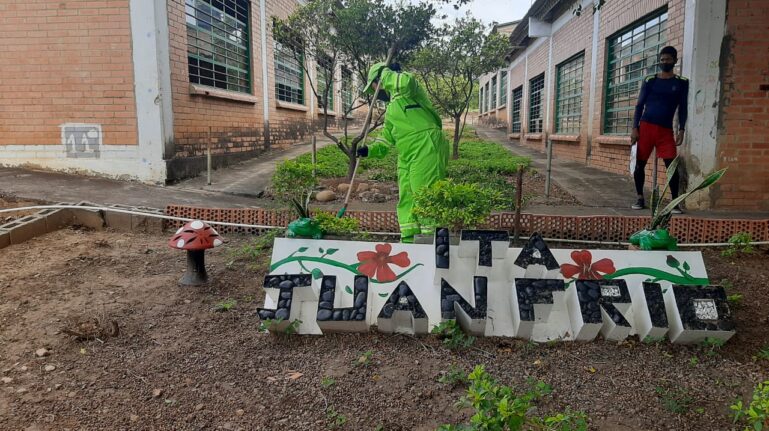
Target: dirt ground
[[177, 364], [7, 201]]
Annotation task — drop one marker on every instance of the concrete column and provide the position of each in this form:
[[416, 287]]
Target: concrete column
[[704, 30], [152, 87], [593, 77], [265, 73]]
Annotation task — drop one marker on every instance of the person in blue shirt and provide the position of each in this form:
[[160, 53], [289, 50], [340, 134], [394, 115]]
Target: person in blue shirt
[[661, 95]]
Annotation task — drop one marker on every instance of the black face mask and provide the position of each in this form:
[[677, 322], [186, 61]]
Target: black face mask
[[667, 67], [381, 95]]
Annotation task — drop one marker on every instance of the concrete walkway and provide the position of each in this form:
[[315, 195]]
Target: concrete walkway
[[238, 186], [251, 177]]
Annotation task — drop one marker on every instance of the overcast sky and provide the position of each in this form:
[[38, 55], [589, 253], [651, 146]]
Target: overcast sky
[[490, 10]]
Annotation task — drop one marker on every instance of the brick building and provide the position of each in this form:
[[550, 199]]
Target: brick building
[[139, 88], [493, 87], [574, 74]]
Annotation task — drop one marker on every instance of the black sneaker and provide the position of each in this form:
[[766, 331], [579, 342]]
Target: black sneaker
[[639, 205], [676, 210]]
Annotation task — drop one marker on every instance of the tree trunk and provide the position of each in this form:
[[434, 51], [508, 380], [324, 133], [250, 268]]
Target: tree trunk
[[457, 135], [351, 159]]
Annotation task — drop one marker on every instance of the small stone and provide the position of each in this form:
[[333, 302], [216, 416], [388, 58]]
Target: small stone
[[156, 393], [71, 394], [49, 368], [360, 300], [240, 412], [199, 407], [325, 305], [282, 314], [23, 368], [362, 187], [324, 315], [21, 390], [342, 188], [57, 386], [42, 352], [325, 196], [7, 380], [134, 418]]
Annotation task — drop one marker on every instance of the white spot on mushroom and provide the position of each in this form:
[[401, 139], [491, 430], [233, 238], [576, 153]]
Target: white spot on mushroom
[[180, 243], [197, 224], [217, 242], [180, 230]]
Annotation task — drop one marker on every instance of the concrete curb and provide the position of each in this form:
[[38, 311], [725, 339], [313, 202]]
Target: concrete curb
[[50, 220]]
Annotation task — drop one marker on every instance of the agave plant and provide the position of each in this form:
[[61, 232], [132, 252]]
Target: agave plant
[[656, 235], [661, 217]]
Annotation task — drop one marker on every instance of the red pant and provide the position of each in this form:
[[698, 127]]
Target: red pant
[[653, 136]]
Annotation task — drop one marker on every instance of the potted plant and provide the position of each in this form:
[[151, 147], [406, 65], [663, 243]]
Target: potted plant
[[656, 235]]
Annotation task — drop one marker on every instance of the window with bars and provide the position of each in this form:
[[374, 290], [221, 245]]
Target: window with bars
[[325, 74], [347, 90], [536, 88], [289, 72], [488, 97], [568, 96], [493, 93], [218, 44], [503, 88], [632, 55], [516, 110]]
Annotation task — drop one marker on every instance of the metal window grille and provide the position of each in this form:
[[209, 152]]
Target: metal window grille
[[632, 55], [516, 109], [325, 74], [289, 74], [536, 87], [488, 97], [218, 52], [568, 102], [503, 88], [481, 105], [347, 85], [493, 93]]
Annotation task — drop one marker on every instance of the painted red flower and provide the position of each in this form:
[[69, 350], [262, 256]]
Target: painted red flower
[[376, 264], [585, 268]]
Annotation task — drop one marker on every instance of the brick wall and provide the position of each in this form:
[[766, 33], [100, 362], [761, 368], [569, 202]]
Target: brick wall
[[65, 61], [743, 144], [613, 154], [236, 127]]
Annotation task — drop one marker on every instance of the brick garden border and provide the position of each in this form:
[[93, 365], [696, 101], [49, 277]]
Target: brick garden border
[[688, 230]]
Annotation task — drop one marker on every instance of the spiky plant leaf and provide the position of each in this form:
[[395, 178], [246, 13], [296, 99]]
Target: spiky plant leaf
[[665, 213]]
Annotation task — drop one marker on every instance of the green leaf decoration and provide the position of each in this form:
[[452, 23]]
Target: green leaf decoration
[[320, 249], [672, 262], [302, 249], [384, 295], [686, 266], [348, 290], [332, 251], [317, 273]]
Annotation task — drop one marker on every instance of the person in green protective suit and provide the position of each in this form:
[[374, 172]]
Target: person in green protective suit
[[413, 126]]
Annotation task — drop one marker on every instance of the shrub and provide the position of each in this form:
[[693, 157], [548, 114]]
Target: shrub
[[453, 336], [293, 183], [739, 243], [756, 415], [498, 407], [330, 224], [456, 206]]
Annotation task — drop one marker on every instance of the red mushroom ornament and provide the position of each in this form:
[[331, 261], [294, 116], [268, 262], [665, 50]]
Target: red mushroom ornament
[[195, 237]]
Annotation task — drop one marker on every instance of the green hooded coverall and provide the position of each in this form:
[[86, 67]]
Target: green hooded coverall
[[414, 127]]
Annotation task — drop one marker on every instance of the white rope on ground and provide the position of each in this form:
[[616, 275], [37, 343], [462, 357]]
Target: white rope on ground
[[220, 223], [160, 216]]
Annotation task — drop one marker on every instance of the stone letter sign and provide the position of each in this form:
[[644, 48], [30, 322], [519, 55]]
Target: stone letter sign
[[494, 290]]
